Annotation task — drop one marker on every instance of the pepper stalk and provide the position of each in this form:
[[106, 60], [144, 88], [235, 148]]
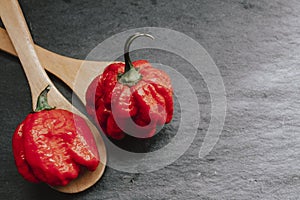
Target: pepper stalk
[[131, 75], [42, 101]]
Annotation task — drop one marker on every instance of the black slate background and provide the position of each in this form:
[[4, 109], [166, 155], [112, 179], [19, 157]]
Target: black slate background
[[255, 45]]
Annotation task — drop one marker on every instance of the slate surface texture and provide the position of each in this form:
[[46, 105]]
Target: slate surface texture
[[255, 45]]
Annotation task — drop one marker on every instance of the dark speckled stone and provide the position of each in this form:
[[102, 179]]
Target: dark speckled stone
[[255, 45]]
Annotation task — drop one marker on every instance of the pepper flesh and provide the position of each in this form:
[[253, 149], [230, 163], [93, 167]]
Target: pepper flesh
[[148, 103], [51, 145]]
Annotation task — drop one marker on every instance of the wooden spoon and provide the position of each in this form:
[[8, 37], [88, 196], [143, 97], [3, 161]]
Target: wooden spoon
[[17, 29], [65, 68]]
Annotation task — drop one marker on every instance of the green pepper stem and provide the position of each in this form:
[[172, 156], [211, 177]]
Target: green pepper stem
[[131, 75], [42, 101]]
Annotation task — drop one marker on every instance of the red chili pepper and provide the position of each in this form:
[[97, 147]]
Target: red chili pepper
[[51, 144], [131, 91]]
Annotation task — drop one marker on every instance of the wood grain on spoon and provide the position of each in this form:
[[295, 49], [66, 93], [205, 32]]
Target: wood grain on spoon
[[17, 29], [65, 68]]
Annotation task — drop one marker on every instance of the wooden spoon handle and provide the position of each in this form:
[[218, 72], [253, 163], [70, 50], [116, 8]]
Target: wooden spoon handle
[[14, 21], [5, 43], [70, 70]]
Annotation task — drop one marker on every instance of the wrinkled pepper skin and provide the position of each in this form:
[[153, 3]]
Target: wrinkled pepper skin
[[51, 146], [149, 100]]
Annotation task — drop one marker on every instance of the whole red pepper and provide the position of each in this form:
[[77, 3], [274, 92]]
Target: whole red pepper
[[51, 144], [131, 92]]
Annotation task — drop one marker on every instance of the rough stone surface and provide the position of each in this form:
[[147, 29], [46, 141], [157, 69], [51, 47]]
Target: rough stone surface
[[255, 45]]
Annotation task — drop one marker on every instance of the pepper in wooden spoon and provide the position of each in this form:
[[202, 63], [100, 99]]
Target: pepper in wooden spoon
[[17, 29]]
